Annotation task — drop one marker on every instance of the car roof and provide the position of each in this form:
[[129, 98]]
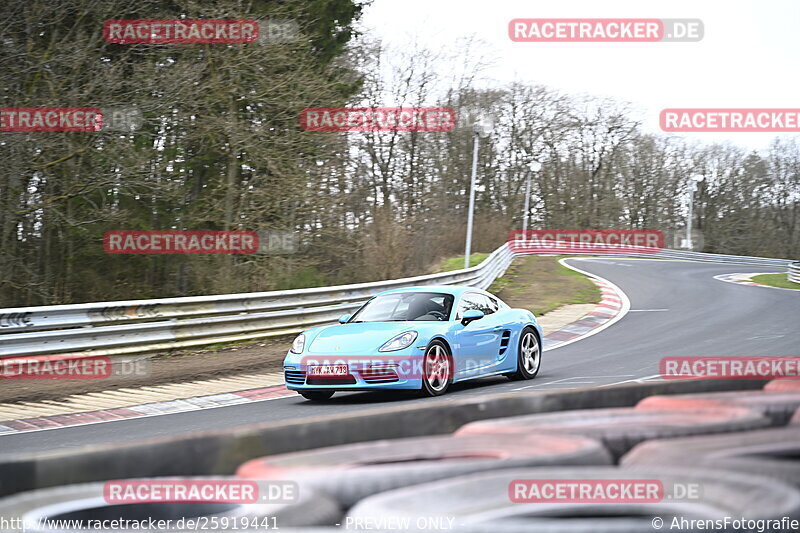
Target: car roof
[[455, 290]]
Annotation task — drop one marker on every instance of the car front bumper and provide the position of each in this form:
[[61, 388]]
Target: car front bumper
[[399, 370]]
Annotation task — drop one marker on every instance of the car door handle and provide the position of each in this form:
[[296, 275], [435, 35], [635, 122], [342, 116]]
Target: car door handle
[[498, 328]]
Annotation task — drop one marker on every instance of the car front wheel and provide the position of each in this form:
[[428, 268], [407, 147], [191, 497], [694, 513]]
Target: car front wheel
[[437, 369], [529, 355]]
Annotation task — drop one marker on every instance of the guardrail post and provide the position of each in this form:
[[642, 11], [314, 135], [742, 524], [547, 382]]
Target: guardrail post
[[794, 272]]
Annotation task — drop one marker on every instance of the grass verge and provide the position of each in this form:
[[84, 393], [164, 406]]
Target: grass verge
[[776, 280], [542, 284], [457, 263]]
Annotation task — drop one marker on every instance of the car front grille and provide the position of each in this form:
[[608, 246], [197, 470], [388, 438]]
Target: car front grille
[[379, 375], [294, 377], [339, 380]]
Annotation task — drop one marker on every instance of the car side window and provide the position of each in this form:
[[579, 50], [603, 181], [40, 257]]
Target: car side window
[[467, 302], [473, 300], [493, 304], [487, 308]]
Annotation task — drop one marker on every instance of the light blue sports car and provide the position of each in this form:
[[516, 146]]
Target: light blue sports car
[[416, 338]]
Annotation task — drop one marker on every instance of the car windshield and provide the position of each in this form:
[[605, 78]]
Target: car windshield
[[406, 306]]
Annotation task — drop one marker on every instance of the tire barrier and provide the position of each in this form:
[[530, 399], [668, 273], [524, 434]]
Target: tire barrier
[[768, 452], [352, 472], [783, 385], [778, 406], [86, 502], [221, 451], [621, 429], [483, 502]]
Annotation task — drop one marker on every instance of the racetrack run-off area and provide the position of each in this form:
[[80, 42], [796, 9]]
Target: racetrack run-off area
[[97, 405], [677, 308]]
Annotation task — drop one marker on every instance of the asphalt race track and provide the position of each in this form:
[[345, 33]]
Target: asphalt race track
[[677, 309]]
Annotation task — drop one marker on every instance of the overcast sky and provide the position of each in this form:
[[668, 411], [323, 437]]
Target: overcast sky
[[749, 57]]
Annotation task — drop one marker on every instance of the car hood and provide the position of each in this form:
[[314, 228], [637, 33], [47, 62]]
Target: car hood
[[357, 338]]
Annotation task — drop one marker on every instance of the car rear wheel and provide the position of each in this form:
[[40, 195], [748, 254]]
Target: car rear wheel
[[437, 369], [529, 355], [317, 395]]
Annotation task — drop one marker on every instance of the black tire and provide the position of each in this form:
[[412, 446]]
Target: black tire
[[86, 502], [778, 406], [620, 429], [351, 472], [317, 395], [782, 385], [528, 364], [767, 452], [436, 353], [482, 502]]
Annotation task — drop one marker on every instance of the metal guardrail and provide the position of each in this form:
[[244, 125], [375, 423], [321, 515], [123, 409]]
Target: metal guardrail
[[138, 326], [794, 272], [124, 327]]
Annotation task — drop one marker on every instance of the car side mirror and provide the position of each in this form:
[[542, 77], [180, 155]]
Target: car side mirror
[[470, 316], [344, 318]]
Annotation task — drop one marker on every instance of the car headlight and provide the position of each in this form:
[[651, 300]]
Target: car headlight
[[398, 342], [299, 343]]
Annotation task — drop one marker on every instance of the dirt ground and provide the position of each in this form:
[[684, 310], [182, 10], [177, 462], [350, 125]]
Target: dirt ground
[[211, 363]]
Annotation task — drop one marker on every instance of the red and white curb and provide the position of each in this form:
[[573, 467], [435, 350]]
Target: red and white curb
[[612, 307], [746, 279], [145, 410]]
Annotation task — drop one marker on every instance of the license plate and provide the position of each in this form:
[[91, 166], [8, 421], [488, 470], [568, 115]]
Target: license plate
[[327, 370]]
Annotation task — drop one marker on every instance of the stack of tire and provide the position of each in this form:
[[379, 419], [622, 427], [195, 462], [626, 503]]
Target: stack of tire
[[740, 448], [41, 510]]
